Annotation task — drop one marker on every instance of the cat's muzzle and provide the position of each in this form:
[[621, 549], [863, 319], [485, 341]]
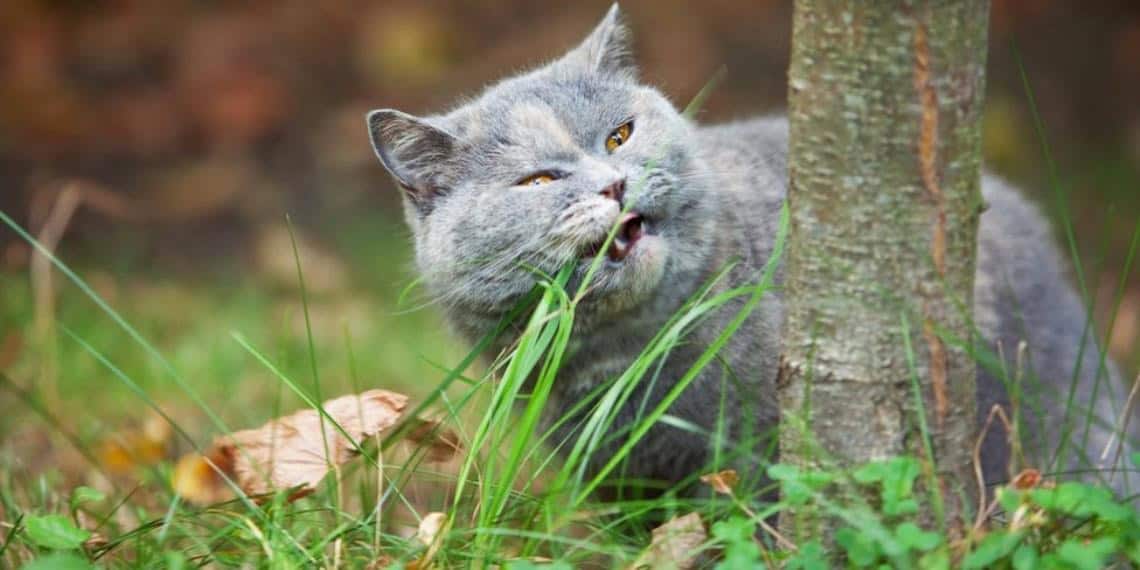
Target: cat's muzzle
[[631, 228]]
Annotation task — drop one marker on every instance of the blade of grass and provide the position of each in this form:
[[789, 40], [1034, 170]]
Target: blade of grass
[[1060, 199], [924, 427], [707, 356]]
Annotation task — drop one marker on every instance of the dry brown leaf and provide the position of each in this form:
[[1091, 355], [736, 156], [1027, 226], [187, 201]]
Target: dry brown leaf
[[722, 482], [674, 544], [96, 540], [440, 443], [144, 445], [293, 452], [382, 561], [1027, 479], [196, 481], [430, 527]]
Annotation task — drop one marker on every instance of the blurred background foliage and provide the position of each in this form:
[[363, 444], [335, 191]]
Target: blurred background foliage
[[191, 128]]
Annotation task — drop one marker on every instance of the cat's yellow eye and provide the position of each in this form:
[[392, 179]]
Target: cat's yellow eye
[[536, 179], [619, 136]]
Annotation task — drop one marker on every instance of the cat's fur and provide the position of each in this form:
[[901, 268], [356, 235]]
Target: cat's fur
[[709, 195]]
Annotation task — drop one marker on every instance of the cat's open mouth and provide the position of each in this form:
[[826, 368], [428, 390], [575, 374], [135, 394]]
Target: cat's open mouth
[[631, 228]]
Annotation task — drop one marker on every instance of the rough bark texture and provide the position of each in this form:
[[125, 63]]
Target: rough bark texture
[[885, 110]]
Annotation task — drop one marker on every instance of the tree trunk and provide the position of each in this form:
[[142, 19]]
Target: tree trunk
[[885, 164]]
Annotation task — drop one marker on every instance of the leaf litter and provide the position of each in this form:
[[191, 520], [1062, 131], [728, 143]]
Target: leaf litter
[[293, 452]]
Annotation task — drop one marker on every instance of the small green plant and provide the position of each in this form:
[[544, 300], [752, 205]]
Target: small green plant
[[1070, 525], [54, 532], [882, 519], [735, 536], [877, 520]]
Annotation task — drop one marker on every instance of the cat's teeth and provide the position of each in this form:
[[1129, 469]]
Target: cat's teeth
[[618, 249], [630, 231], [634, 230]]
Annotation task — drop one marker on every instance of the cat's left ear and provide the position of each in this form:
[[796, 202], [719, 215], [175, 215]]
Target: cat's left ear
[[416, 153], [606, 50]]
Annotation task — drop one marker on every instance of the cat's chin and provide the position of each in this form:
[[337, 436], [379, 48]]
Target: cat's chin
[[620, 284]]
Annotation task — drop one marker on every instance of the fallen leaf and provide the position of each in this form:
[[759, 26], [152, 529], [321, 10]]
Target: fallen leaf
[[1027, 479], [196, 481], [674, 544], [440, 443], [293, 452], [722, 481], [382, 561], [96, 542], [427, 534], [85, 522], [430, 527], [143, 445], [298, 450]]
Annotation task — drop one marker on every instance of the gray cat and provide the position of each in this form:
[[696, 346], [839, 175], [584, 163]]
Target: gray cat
[[535, 172]]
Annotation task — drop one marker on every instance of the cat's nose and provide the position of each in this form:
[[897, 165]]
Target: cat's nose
[[614, 191]]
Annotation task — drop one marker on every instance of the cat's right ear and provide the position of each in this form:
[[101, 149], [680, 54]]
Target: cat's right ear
[[414, 152], [606, 50]]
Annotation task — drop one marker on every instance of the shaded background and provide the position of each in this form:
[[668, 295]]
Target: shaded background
[[192, 128], [205, 117]]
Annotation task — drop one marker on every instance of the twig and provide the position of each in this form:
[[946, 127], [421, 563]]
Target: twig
[[96, 198], [1118, 435], [985, 511], [780, 539], [379, 494], [43, 291]]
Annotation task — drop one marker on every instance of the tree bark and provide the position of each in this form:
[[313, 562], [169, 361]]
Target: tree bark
[[885, 173]]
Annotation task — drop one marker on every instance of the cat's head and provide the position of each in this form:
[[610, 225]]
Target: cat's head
[[536, 171]]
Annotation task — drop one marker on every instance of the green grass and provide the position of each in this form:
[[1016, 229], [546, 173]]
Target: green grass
[[210, 376], [185, 348]]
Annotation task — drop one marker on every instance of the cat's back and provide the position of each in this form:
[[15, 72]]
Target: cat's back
[[1018, 265], [745, 168], [748, 156]]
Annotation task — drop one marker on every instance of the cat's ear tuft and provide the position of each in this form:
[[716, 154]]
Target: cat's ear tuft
[[414, 152], [607, 50]]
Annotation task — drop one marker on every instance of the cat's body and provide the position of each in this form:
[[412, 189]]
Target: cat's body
[[538, 170]]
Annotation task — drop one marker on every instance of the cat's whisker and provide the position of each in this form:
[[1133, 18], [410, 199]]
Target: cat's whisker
[[513, 259], [710, 175]]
